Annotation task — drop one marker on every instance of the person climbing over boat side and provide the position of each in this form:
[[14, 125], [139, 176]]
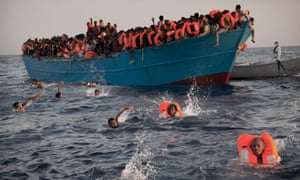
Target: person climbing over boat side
[[21, 106], [277, 55], [113, 122], [227, 23], [59, 94], [170, 109]]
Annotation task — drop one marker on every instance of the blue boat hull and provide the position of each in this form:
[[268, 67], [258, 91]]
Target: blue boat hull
[[187, 61]]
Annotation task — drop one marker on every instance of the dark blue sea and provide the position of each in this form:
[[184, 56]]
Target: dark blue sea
[[69, 138]]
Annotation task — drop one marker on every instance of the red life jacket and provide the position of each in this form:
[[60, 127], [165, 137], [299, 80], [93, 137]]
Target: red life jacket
[[163, 109], [246, 155]]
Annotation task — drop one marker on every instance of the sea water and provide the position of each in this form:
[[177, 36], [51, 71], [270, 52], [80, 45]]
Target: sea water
[[69, 138]]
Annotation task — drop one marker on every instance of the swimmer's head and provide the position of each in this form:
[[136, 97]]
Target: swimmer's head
[[17, 106], [113, 123], [257, 146], [34, 82], [59, 95], [97, 92], [172, 109]]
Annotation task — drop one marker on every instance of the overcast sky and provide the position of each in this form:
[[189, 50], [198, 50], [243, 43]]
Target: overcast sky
[[23, 19]]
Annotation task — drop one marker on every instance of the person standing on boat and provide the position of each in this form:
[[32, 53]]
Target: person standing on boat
[[277, 55]]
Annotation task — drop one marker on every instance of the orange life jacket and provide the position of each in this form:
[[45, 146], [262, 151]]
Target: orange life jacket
[[134, 38], [237, 17], [128, 40], [232, 20], [173, 25], [121, 38], [179, 33], [246, 155], [170, 34], [196, 26], [142, 37], [149, 37], [187, 27], [163, 108], [89, 54], [245, 46], [156, 40]]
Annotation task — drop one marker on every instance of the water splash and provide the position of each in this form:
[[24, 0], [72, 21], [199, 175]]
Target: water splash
[[140, 166], [193, 102], [104, 91]]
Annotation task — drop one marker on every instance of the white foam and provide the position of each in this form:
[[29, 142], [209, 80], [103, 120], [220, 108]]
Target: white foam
[[140, 165]]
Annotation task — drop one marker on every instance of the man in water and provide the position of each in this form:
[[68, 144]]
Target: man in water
[[37, 84], [258, 147], [277, 54], [170, 109], [97, 92], [21, 106], [113, 122]]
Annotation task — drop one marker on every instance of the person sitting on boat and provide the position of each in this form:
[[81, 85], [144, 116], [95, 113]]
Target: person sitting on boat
[[227, 23], [277, 55], [241, 16], [113, 122], [170, 109], [258, 150], [90, 49], [21, 106], [205, 27], [59, 94]]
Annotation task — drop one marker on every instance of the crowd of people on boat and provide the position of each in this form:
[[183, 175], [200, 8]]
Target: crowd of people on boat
[[102, 39]]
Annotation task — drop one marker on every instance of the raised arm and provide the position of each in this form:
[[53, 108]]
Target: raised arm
[[121, 112], [31, 98], [59, 86]]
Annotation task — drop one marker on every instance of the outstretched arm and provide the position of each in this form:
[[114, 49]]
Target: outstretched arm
[[121, 112], [31, 98], [59, 86]]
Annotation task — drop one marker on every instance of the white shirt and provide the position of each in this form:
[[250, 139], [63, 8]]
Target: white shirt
[[277, 52]]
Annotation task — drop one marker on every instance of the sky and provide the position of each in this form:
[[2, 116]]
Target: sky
[[275, 20]]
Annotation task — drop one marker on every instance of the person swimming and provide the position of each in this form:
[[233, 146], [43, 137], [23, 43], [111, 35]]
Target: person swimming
[[37, 84], [170, 109], [258, 147], [113, 122], [21, 106], [258, 150]]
